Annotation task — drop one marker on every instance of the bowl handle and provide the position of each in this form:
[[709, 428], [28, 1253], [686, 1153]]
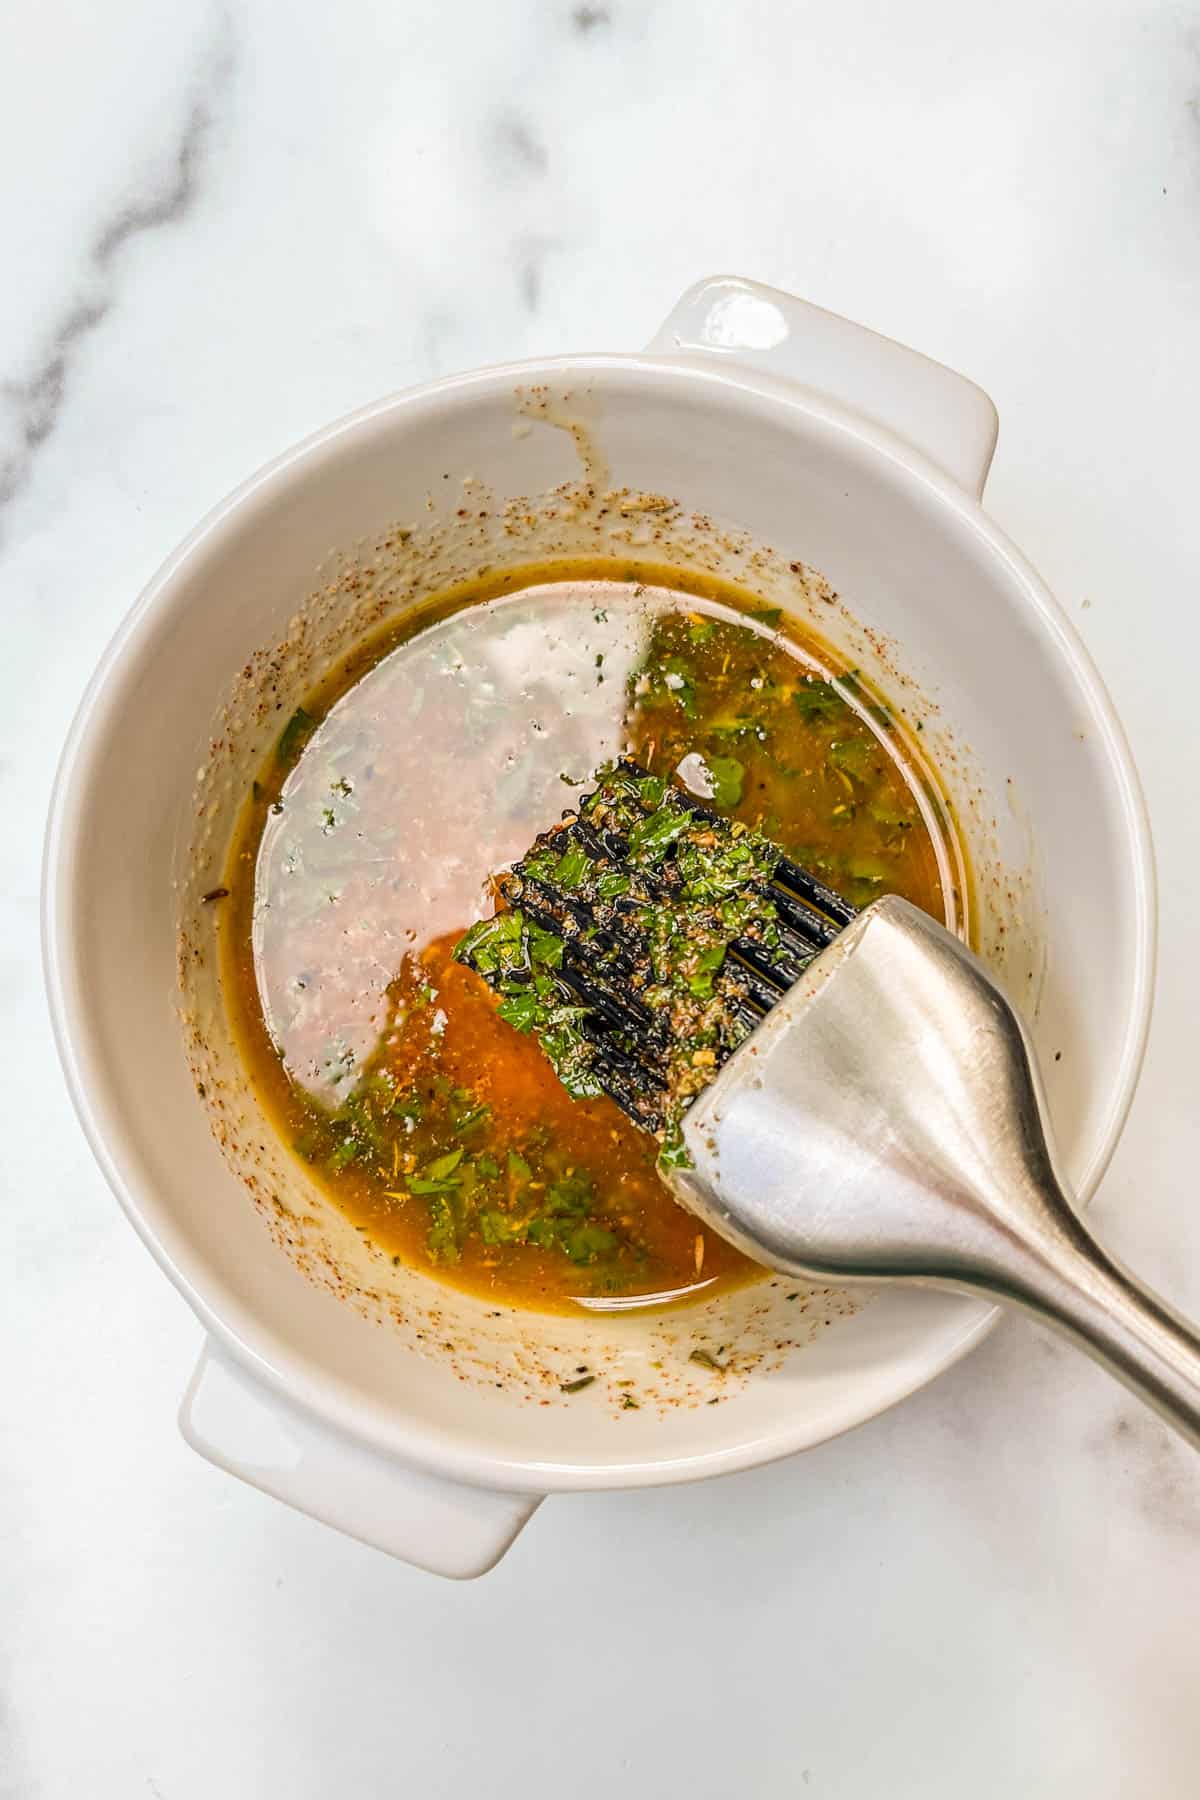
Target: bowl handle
[[942, 414], [233, 1420]]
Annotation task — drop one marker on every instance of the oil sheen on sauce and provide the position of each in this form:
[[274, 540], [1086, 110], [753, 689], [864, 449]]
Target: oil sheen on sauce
[[432, 757]]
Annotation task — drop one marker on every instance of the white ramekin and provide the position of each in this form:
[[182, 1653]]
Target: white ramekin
[[811, 435]]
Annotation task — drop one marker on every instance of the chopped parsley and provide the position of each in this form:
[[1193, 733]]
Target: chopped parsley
[[665, 914], [294, 736]]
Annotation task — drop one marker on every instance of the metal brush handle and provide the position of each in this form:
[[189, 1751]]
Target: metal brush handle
[[1062, 1275], [885, 1123]]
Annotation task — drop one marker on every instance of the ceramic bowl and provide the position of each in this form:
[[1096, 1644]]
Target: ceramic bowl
[[760, 437]]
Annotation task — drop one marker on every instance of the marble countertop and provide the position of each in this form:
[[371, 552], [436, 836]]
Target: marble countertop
[[225, 224]]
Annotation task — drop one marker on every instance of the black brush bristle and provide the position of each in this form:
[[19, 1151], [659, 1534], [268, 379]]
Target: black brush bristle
[[644, 937]]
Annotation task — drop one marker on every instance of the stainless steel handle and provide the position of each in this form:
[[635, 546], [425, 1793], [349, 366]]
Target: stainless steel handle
[[1071, 1282], [885, 1123]]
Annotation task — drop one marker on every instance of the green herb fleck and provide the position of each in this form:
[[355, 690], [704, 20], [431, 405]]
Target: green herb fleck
[[522, 1010], [818, 702], [445, 1165], [653, 836], [469, 1121], [853, 756], [446, 1230], [727, 775], [678, 681], [294, 736], [493, 945], [572, 866]]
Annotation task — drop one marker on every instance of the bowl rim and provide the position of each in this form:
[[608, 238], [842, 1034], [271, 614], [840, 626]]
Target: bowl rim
[[287, 1374]]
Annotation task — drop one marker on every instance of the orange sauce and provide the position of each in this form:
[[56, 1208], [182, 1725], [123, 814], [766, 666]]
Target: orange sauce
[[440, 1131]]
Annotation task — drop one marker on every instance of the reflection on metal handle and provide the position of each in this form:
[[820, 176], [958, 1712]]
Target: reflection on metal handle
[[885, 1123], [1073, 1283]]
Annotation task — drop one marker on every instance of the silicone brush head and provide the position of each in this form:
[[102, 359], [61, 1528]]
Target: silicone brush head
[[644, 937]]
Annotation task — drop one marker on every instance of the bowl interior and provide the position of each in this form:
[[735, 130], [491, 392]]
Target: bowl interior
[[634, 456]]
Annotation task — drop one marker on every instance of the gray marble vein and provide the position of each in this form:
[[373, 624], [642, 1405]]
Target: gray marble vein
[[517, 152], [530, 254], [35, 402]]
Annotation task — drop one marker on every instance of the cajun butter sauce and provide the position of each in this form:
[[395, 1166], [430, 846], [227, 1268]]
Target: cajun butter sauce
[[432, 757]]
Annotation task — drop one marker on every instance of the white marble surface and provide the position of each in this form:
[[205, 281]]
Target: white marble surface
[[223, 225]]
